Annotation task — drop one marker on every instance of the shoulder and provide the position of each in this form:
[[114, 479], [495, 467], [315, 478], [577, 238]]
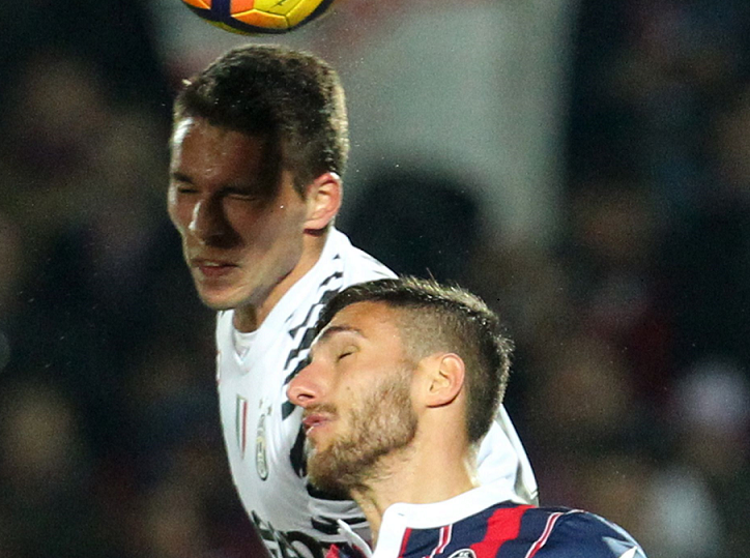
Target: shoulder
[[578, 534], [358, 266], [523, 531]]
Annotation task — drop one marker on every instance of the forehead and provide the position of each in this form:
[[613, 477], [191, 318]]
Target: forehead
[[215, 157], [197, 143], [373, 321]]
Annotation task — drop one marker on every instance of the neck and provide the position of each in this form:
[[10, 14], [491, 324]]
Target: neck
[[424, 473], [249, 317]]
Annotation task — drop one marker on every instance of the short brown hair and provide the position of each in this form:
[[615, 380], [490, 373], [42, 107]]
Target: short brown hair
[[292, 98]]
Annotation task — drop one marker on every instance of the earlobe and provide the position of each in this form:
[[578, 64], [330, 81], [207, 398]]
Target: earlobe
[[323, 201], [447, 379]]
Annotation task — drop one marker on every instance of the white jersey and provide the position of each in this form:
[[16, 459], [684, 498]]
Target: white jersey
[[262, 428]]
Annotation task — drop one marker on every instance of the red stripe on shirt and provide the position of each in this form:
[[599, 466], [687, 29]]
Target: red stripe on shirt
[[551, 520], [502, 526], [404, 542]]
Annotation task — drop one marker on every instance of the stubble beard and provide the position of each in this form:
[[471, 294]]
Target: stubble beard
[[383, 424]]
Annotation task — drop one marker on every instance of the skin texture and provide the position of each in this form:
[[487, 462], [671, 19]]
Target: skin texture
[[247, 235]]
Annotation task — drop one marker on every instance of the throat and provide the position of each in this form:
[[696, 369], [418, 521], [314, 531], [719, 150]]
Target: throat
[[246, 319]]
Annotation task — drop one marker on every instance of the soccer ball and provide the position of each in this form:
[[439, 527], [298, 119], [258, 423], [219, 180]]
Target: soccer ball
[[253, 17]]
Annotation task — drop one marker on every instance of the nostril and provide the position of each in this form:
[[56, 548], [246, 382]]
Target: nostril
[[298, 395]]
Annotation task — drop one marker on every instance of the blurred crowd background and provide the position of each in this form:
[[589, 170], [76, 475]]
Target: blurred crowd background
[[626, 286]]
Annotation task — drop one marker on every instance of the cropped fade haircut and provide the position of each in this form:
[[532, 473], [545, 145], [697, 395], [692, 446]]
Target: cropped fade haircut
[[292, 98], [434, 318]]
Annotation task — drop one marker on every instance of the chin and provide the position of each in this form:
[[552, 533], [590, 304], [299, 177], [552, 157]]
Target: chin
[[330, 484], [218, 302]]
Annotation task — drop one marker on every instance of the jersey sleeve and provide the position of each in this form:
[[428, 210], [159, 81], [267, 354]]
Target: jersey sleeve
[[579, 534]]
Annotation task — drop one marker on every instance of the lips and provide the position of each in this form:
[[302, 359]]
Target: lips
[[313, 421], [213, 268]]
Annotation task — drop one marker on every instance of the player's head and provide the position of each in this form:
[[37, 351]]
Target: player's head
[[292, 98], [257, 149], [386, 352]]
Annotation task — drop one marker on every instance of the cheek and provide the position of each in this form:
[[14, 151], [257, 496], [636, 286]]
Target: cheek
[[174, 211], [281, 228], [354, 399], [250, 225], [181, 215]]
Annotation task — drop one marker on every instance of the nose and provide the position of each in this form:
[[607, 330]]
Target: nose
[[305, 388], [207, 221]]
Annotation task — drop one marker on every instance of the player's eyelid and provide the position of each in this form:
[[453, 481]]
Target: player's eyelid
[[177, 178], [334, 344], [241, 194], [182, 186], [346, 351]]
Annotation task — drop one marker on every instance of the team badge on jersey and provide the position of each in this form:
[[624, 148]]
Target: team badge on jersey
[[463, 553], [261, 461]]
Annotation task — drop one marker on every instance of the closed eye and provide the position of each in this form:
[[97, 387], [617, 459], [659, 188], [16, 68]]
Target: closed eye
[[345, 354], [182, 183], [241, 195]]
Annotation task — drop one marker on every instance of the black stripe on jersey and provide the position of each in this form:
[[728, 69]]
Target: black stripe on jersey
[[336, 275], [305, 343], [297, 369], [321, 495], [293, 332], [328, 526], [287, 408], [297, 454], [308, 336]]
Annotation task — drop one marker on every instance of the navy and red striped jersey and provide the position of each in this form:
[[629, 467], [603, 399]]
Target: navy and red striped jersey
[[470, 528]]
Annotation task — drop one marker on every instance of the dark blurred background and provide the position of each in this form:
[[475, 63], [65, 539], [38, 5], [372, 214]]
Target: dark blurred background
[[626, 286]]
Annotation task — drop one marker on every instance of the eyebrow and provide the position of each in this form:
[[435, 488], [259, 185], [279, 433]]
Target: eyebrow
[[334, 330], [245, 188], [331, 331], [180, 176]]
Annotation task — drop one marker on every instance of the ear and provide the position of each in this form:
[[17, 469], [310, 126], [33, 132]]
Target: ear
[[446, 377], [323, 198]]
